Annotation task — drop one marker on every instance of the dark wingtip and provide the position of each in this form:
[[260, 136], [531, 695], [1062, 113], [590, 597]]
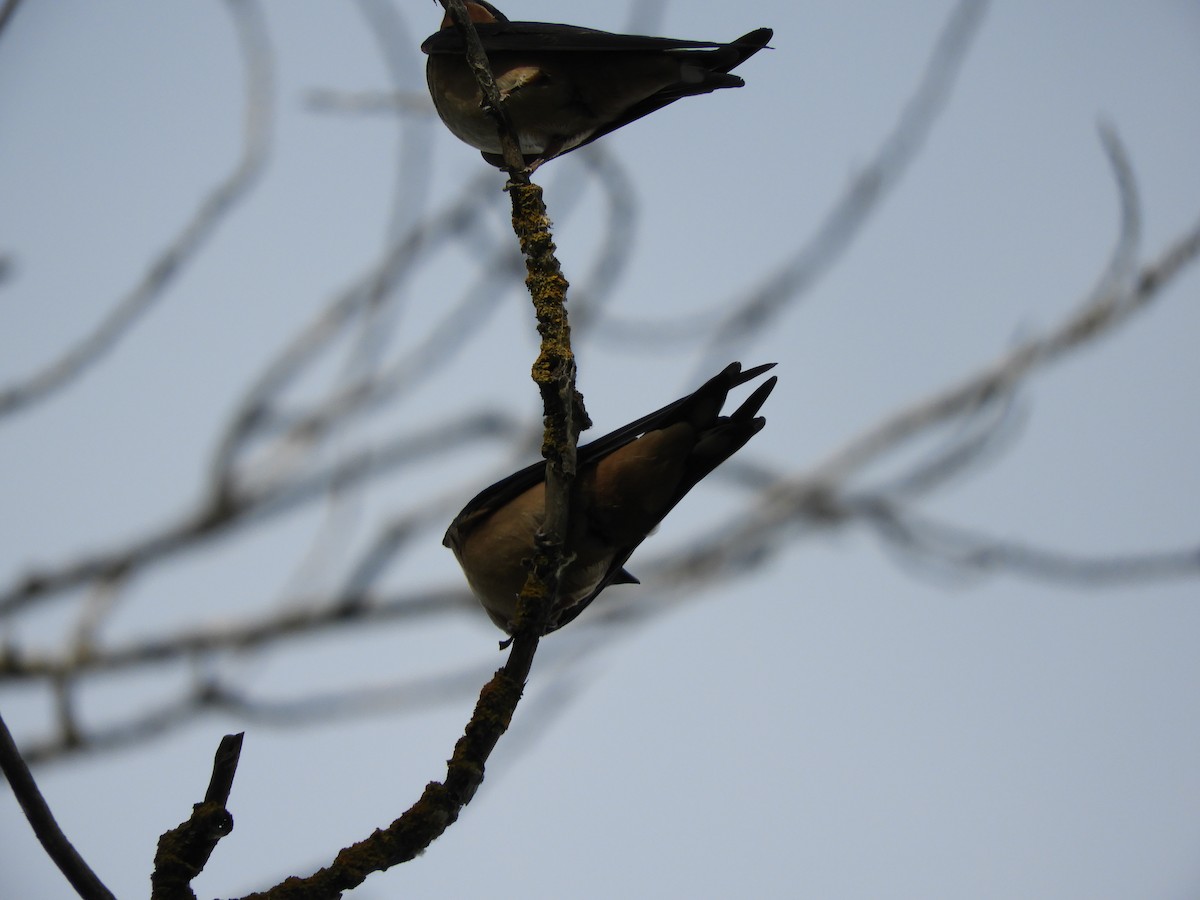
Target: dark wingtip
[[733, 54], [758, 38], [749, 44], [752, 404], [733, 374], [755, 372], [624, 576]]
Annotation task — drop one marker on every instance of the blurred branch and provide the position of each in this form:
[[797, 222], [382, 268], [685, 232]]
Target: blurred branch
[[727, 325], [412, 174], [1113, 298], [37, 811], [147, 723], [227, 511], [349, 610], [257, 60], [958, 550], [259, 419], [616, 254], [982, 434], [813, 496], [206, 694], [283, 471], [289, 445], [328, 100], [866, 191], [980, 405], [6, 13], [308, 709]]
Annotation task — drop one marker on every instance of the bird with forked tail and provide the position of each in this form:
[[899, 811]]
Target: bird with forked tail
[[626, 482], [563, 86]]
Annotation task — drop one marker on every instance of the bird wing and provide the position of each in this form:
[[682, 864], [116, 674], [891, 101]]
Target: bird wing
[[743, 420], [546, 37], [508, 489]]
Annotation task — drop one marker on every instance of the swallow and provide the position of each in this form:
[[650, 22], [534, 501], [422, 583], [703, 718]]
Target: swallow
[[564, 86], [625, 484]]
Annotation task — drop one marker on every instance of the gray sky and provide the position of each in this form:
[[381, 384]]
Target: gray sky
[[840, 726]]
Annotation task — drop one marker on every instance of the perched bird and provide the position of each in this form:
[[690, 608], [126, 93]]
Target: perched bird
[[564, 86], [625, 483]]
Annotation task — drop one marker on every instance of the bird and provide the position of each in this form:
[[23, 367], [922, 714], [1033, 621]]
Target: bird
[[625, 484], [563, 86]]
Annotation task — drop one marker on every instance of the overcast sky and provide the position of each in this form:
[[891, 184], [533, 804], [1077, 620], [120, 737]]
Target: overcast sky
[[839, 727]]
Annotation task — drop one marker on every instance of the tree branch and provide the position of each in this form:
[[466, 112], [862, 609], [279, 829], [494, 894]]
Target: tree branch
[[183, 852], [37, 811], [6, 13], [1122, 290], [554, 372]]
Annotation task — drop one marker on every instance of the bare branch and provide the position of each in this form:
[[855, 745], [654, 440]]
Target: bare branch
[[554, 373], [983, 434], [304, 616], [183, 852], [1102, 309], [218, 517], [328, 100], [284, 447], [865, 192], [37, 811], [962, 551], [257, 417], [813, 496]]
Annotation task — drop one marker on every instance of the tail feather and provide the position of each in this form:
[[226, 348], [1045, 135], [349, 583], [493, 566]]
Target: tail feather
[[737, 52]]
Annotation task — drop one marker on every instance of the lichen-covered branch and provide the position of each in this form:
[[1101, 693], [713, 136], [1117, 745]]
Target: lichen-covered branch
[[554, 372]]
